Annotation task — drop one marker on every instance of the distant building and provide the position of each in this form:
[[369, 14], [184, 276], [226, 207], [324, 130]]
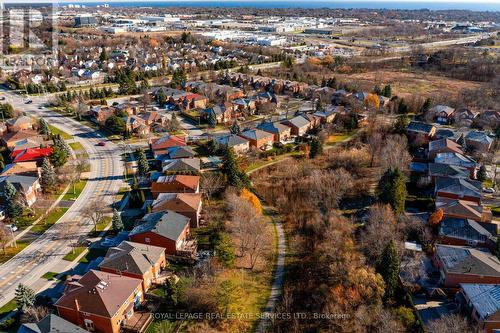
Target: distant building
[[85, 21]]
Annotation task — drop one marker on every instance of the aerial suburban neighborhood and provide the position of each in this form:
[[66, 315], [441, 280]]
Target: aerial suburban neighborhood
[[256, 166]]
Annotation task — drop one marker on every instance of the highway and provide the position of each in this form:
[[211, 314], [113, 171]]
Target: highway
[[105, 180]]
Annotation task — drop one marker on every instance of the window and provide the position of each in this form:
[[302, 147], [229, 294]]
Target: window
[[89, 325], [147, 240]]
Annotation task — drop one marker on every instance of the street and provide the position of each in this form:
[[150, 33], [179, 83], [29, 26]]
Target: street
[[105, 180]]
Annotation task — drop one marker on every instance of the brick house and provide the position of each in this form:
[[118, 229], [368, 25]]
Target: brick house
[[420, 133], [443, 146], [281, 132], [464, 232], [164, 229], [237, 143], [50, 324], [482, 303], [462, 209], [161, 145], [27, 186], [13, 139], [21, 123], [458, 160], [258, 139], [30, 154], [460, 264], [299, 125], [443, 113], [187, 204], [100, 301], [479, 141], [135, 260], [458, 189], [175, 184]]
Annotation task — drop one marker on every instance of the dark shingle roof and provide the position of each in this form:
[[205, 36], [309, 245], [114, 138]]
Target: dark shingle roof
[[50, 324], [459, 186], [468, 230], [132, 257], [465, 260], [231, 140], [167, 224], [417, 126], [447, 170]]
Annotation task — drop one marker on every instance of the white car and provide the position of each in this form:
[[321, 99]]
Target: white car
[[489, 190], [12, 227]]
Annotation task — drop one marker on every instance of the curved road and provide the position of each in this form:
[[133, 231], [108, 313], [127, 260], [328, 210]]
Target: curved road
[[105, 180]]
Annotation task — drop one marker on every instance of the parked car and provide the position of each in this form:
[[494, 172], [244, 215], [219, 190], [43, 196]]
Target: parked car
[[29, 101], [2, 98], [101, 144], [12, 227], [489, 190]]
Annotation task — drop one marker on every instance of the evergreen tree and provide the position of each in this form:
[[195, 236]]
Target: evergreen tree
[[212, 119], [104, 55], [377, 90], [115, 124], [48, 176], [315, 148], [426, 106], [392, 189], [9, 191], [403, 107], [401, 123], [58, 157], [481, 173], [43, 127], [235, 177], [387, 91], [389, 269], [24, 296], [116, 222], [12, 206], [224, 250], [61, 144], [142, 162], [235, 128]]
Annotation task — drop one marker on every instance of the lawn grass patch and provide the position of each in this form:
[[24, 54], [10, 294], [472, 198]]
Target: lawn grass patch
[[78, 188], [8, 308], [52, 217], [12, 251], [76, 146], [50, 276], [74, 253], [57, 131], [93, 253]]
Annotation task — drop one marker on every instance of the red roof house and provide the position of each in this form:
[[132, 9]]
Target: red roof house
[[30, 154]]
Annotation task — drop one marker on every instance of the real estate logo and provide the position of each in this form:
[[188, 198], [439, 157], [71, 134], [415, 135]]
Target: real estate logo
[[28, 32]]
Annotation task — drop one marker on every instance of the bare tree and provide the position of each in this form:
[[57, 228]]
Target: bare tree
[[328, 187], [450, 324], [95, 212], [394, 153], [34, 314], [380, 229], [5, 236], [81, 109], [258, 240], [211, 182]]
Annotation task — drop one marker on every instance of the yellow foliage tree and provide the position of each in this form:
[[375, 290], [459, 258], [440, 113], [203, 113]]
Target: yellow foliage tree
[[314, 61], [372, 100], [328, 60], [153, 43], [436, 217], [252, 198]]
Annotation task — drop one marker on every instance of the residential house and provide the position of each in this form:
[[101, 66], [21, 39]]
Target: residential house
[[187, 204], [29, 143], [166, 229], [443, 146], [463, 209], [135, 260], [479, 141], [100, 301], [22, 168], [490, 119], [27, 186], [419, 133], [10, 140], [436, 170], [458, 160], [465, 232], [160, 146], [483, 304], [281, 132], [447, 133], [237, 143], [175, 184], [313, 120], [443, 113], [258, 139], [51, 324], [194, 101], [222, 114], [460, 264], [329, 114], [181, 166], [180, 152], [99, 114], [299, 125], [30, 154], [136, 125], [21, 123], [465, 117], [458, 189]]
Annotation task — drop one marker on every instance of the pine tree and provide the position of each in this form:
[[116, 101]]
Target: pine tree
[[58, 141], [117, 221], [142, 162], [58, 157], [481, 173], [48, 176], [24, 296], [212, 119], [9, 191], [315, 148], [389, 269], [426, 106], [387, 91], [235, 128], [43, 127], [392, 189], [13, 208], [103, 56], [235, 177], [225, 250]]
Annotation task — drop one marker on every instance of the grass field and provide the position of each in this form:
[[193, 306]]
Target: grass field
[[79, 186], [74, 253], [49, 220], [57, 131]]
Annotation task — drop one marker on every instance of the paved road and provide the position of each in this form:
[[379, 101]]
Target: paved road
[[104, 183]]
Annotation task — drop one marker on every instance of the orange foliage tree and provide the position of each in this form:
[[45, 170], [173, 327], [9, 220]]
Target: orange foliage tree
[[252, 198], [436, 217], [372, 100]]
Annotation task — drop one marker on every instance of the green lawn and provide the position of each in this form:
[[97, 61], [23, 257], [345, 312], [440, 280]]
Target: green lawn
[[495, 210], [93, 254], [76, 146], [57, 131], [28, 218], [49, 220], [50, 275], [79, 186], [336, 138], [74, 253], [12, 251], [7, 308]]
